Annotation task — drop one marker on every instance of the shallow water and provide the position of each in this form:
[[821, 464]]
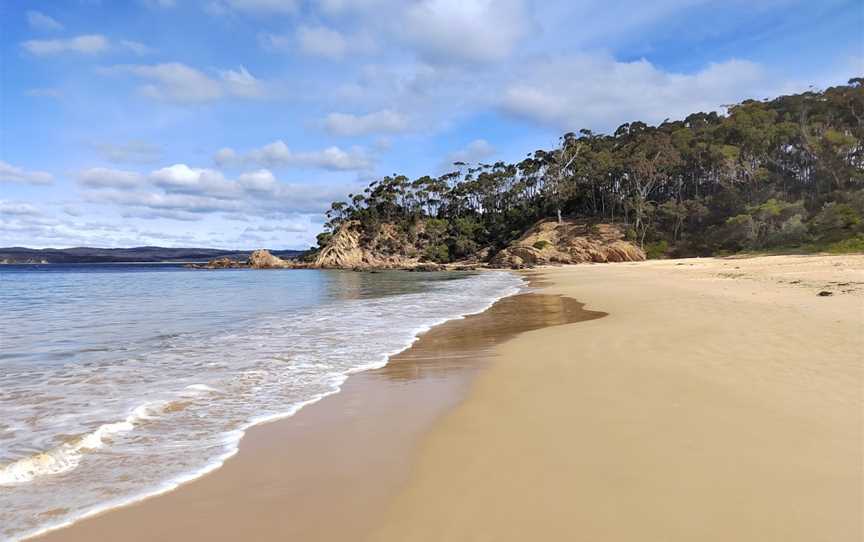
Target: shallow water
[[121, 381]]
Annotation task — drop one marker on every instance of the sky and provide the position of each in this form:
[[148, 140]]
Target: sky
[[234, 123]]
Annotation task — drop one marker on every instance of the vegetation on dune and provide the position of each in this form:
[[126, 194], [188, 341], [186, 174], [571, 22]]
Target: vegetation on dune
[[788, 172]]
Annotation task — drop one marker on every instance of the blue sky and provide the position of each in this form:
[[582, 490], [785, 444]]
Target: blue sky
[[234, 123]]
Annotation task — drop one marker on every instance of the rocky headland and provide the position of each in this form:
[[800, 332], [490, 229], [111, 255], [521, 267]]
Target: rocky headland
[[546, 243]]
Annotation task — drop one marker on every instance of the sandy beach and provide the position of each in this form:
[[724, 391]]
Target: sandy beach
[[701, 399]]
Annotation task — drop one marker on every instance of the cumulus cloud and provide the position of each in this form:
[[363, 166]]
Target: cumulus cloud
[[476, 31], [19, 175], [384, 121], [177, 82], [279, 154], [182, 179], [173, 81], [182, 192], [598, 92], [39, 21], [321, 41], [86, 44]]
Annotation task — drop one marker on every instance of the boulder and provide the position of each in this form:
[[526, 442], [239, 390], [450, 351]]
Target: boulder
[[262, 259]]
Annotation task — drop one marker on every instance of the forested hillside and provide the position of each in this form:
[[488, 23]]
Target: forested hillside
[[784, 173]]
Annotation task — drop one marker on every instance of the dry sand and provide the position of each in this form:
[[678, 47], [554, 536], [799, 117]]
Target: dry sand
[[719, 399]]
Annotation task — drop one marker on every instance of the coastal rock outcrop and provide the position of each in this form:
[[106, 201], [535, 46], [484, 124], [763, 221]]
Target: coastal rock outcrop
[[568, 242], [262, 259], [259, 259], [349, 249]]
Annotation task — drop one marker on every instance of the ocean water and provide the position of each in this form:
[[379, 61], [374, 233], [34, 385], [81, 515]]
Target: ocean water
[[123, 381]]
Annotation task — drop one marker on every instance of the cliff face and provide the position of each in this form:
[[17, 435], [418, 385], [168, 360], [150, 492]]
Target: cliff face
[[547, 242], [349, 249], [569, 242]]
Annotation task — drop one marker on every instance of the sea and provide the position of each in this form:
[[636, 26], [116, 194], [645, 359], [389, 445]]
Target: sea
[[123, 381]]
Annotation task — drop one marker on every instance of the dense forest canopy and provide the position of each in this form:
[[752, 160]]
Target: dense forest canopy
[[788, 172]]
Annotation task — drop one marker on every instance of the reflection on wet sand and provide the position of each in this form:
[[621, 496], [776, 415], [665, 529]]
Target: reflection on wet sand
[[463, 342], [343, 457]]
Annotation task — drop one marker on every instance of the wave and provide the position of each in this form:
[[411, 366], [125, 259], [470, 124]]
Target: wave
[[308, 356]]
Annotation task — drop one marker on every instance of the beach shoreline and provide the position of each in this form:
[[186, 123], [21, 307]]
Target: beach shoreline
[[671, 417], [297, 464]]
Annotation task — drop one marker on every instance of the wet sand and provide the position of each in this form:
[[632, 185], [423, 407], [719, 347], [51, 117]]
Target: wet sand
[[328, 472], [706, 399]]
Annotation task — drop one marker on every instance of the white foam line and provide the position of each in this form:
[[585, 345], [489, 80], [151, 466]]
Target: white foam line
[[233, 445]]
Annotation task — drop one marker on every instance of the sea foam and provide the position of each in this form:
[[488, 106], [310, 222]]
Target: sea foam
[[186, 399]]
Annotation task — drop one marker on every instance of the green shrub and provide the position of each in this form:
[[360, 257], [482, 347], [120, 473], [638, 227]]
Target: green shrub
[[462, 247], [853, 244], [835, 221], [657, 250], [541, 244], [437, 253]]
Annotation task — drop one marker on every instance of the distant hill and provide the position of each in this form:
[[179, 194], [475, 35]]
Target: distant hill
[[13, 255]]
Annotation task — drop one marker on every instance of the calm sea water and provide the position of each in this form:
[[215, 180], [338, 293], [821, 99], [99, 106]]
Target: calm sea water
[[122, 381]]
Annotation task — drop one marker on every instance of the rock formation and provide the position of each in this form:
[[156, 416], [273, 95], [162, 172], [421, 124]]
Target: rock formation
[[262, 259], [347, 249], [569, 242]]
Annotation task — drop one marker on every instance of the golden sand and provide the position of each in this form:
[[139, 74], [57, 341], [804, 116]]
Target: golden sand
[[719, 400]]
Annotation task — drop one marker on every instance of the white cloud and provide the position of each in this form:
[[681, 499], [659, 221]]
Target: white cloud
[[181, 192], [87, 44], [261, 180], [278, 154], [321, 41], [14, 174], [136, 47], [597, 92], [380, 122], [39, 21], [477, 31], [241, 83], [177, 82], [182, 179], [99, 177], [12, 208]]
